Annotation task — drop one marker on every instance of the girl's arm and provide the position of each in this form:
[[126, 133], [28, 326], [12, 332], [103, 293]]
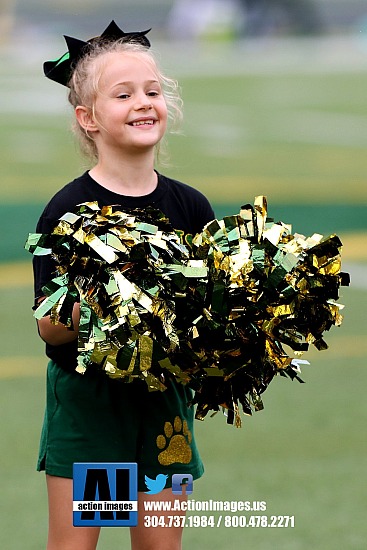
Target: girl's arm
[[55, 335]]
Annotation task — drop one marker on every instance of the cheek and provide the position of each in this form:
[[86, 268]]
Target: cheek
[[164, 114], [163, 125]]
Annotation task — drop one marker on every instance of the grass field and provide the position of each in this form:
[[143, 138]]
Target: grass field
[[297, 134]]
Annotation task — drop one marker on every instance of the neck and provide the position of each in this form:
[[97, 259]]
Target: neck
[[133, 176]]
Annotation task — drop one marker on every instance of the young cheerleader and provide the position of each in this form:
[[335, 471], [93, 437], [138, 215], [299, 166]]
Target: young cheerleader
[[122, 104]]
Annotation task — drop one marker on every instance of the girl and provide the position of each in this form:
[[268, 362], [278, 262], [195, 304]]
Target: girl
[[122, 104]]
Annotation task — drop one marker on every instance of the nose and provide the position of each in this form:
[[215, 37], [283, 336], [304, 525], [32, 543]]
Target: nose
[[143, 102]]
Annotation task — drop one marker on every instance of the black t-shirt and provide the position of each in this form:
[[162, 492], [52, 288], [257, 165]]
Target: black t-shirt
[[187, 209]]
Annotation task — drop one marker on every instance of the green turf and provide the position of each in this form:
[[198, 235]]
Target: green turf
[[299, 139], [293, 137]]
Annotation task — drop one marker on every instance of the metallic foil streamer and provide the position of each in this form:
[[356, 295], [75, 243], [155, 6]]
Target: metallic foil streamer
[[215, 314]]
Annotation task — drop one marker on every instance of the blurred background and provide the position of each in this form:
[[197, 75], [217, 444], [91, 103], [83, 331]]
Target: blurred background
[[275, 104]]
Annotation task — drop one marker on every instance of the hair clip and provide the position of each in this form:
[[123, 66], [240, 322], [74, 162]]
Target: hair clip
[[60, 70]]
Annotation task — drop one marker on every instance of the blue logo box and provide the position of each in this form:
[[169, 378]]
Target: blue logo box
[[105, 494]]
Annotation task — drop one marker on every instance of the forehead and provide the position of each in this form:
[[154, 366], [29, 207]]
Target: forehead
[[117, 67]]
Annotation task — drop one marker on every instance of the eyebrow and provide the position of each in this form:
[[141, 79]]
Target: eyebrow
[[129, 82]]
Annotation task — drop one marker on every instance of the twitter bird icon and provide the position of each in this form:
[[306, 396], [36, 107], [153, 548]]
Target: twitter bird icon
[[155, 485]]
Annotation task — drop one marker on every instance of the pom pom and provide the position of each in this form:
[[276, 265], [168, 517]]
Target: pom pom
[[225, 315]]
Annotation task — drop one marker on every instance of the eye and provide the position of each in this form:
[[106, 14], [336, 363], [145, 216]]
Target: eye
[[153, 93], [123, 96]]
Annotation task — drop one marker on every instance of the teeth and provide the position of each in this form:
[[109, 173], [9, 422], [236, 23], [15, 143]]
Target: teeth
[[142, 122]]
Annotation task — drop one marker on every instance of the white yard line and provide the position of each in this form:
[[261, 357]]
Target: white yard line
[[319, 127], [314, 55], [227, 126]]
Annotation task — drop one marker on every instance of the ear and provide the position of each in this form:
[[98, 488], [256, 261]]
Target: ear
[[85, 118]]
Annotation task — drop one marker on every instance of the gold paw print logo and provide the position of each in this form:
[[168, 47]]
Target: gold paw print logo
[[175, 443]]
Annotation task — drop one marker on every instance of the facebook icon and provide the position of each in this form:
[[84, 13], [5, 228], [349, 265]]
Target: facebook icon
[[179, 481]]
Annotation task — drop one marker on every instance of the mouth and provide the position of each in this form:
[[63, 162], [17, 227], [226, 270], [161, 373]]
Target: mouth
[[143, 122]]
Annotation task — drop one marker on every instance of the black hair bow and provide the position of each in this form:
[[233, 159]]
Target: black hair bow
[[60, 70]]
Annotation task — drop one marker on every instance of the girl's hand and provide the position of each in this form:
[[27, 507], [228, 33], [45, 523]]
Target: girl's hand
[[55, 335]]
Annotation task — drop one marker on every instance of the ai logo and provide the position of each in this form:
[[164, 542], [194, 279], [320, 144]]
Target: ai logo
[[105, 494], [181, 480]]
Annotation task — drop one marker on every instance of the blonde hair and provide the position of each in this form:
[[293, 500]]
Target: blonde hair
[[84, 87]]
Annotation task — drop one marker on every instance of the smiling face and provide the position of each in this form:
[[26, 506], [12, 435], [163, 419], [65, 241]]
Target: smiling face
[[130, 111]]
